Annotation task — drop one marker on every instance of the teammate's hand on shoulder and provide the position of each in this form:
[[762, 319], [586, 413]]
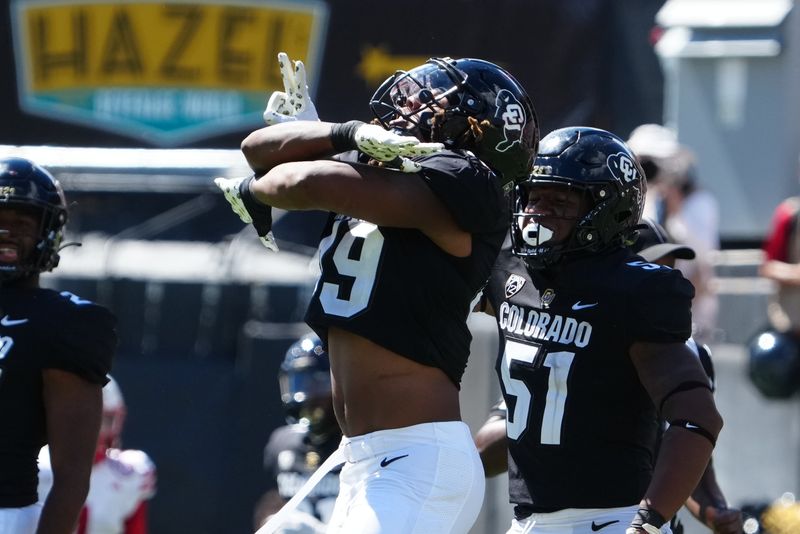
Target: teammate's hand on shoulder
[[237, 193], [293, 103]]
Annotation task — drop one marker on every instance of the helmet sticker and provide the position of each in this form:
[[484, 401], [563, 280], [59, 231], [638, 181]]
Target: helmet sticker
[[622, 167], [513, 114]]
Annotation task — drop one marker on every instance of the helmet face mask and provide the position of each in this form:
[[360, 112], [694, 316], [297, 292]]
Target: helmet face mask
[[28, 187], [600, 165], [467, 104], [547, 233]]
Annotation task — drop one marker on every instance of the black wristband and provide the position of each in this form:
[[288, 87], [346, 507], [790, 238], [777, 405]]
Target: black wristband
[[649, 517], [258, 211], [343, 135]]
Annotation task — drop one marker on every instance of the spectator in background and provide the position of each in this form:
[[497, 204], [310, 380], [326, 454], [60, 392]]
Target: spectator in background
[[122, 481], [781, 264], [688, 212], [55, 352], [295, 451]]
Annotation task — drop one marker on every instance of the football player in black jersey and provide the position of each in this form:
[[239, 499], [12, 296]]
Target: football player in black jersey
[[55, 352], [418, 216], [593, 351], [707, 502], [296, 450]]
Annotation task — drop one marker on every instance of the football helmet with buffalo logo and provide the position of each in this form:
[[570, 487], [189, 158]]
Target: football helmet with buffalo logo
[[27, 186], [601, 167], [468, 104]]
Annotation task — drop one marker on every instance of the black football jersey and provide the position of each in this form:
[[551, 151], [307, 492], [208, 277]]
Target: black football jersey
[[290, 458], [42, 329], [582, 429], [395, 287]]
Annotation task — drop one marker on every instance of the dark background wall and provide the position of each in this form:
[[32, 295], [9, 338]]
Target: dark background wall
[[584, 62]]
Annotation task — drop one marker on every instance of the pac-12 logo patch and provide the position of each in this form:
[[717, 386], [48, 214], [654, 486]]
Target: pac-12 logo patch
[[513, 285], [513, 114], [622, 167]]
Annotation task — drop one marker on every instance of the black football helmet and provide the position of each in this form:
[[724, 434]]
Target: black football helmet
[[774, 363], [24, 184], [468, 104], [596, 163], [305, 384]]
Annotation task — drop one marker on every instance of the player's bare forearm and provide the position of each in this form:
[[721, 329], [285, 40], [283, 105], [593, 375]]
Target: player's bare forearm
[[62, 507], [288, 142], [681, 461], [781, 272], [492, 444]]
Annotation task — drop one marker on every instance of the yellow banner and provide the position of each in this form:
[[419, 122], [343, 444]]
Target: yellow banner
[[218, 45]]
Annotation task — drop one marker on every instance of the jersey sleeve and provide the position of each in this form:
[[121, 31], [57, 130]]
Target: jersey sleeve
[[661, 307], [467, 188], [84, 340]]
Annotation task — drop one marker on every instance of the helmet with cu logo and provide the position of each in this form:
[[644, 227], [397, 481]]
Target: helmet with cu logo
[[600, 166], [468, 104], [305, 385], [27, 186], [774, 363]]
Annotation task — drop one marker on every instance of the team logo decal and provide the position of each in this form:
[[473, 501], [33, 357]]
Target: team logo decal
[[622, 167], [513, 285], [547, 298], [511, 111]]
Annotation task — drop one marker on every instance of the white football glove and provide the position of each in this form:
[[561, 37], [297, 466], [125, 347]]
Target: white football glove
[[294, 103], [231, 187], [387, 146]]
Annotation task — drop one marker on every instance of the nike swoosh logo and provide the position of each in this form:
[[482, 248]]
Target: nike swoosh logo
[[386, 462], [598, 526], [578, 306], [8, 321]]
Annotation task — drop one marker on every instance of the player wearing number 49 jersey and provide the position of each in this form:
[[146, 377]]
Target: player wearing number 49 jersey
[[418, 219], [593, 351]]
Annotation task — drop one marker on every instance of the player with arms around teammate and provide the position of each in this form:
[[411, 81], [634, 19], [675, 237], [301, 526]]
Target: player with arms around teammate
[[294, 451], [122, 481], [408, 246], [593, 351], [55, 352]]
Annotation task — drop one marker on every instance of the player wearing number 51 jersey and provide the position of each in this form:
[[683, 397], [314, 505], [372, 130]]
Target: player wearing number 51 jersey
[[593, 351]]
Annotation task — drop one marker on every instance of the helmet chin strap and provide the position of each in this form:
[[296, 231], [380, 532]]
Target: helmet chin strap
[[534, 234]]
